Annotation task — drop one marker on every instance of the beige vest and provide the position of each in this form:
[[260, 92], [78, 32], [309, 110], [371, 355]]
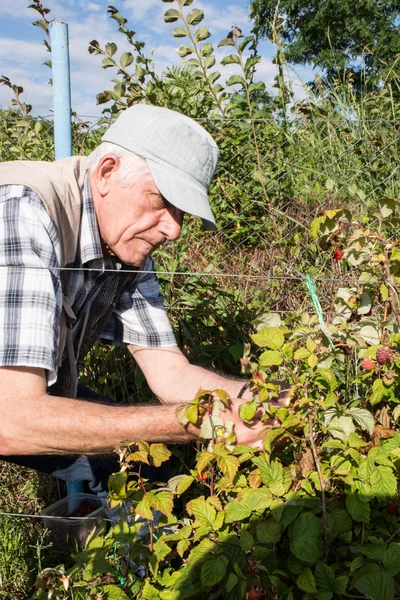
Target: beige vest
[[59, 184]]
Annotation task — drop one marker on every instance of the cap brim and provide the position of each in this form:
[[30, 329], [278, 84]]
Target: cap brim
[[182, 192]]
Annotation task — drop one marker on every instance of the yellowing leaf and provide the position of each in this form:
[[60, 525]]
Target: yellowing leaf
[[184, 484], [159, 453], [271, 337], [162, 501], [143, 508], [270, 358], [228, 464], [192, 413]]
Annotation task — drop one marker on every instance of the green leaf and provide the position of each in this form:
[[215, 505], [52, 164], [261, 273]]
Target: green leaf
[[143, 508], [107, 62], [209, 62], [324, 577], [248, 410], [201, 34], [172, 15], [383, 482], [363, 418], [379, 391], [161, 549], [230, 60], [202, 510], [206, 50], [376, 586], [272, 476], [179, 32], [301, 354], [306, 538], [226, 42], [246, 540], [162, 501], [391, 559], [113, 592], [192, 413], [341, 427], [340, 585], [358, 508], [355, 441], [237, 511], [184, 484], [228, 464], [185, 50], [213, 570], [117, 485], [126, 59], [111, 49], [236, 80], [159, 453], [270, 358], [306, 582], [271, 337], [182, 546], [268, 532], [195, 17]]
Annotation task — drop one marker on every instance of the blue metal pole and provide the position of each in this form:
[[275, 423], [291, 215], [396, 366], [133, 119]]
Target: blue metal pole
[[62, 126]]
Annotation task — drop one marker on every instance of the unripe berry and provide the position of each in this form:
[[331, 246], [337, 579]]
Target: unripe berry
[[367, 364], [382, 355], [337, 254]]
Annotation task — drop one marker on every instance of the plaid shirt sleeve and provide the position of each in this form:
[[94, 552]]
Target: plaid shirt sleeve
[[30, 289], [139, 317]]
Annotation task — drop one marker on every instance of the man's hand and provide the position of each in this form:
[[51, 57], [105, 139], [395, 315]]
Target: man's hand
[[250, 435]]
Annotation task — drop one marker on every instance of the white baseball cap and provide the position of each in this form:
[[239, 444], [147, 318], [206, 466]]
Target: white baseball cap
[[180, 153]]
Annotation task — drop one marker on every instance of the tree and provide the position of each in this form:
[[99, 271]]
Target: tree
[[336, 35]]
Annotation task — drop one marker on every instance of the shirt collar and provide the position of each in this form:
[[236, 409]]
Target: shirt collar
[[89, 244]]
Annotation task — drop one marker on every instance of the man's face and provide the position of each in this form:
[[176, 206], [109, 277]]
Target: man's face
[[135, 220]]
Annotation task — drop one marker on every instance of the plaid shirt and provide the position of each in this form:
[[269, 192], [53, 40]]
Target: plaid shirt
[[30, 288]]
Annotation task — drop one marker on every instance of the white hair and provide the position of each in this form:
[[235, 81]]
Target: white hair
[[132, 167]]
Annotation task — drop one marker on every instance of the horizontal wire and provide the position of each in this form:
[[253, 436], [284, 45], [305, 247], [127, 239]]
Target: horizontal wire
[[53, 517], [202, 274]]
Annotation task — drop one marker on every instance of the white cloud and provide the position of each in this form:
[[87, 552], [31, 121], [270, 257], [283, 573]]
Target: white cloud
[[93, 7], [138, 10]]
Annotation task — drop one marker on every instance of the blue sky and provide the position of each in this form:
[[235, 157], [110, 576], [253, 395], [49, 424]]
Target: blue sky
[[22, 52]]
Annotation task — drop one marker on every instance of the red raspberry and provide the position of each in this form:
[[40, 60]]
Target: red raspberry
[[337, 254], [202, 476], [391, 508], [382, 355], [253, 595], [367, 364]]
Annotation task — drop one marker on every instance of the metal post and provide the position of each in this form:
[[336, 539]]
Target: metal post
[[62, 127]]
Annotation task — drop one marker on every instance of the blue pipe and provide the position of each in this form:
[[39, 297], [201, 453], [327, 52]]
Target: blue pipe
[[62, 131]]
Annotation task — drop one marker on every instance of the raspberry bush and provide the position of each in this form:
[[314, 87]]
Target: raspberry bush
[[315, 514]]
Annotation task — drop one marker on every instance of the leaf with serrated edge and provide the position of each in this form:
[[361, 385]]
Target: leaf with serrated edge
[[159, 453], [184, 484], [213, 570]]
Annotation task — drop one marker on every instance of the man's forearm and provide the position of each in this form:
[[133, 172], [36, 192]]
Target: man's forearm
[[52, 425], [174, 380]]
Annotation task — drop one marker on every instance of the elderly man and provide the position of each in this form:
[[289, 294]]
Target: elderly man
[[72, 234]]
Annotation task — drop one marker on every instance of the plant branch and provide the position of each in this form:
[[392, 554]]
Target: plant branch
[[322, 481]]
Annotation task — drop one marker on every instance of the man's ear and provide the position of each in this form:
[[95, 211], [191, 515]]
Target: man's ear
[[105, 172]]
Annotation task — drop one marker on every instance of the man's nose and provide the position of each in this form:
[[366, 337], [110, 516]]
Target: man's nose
[[172, 223]]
